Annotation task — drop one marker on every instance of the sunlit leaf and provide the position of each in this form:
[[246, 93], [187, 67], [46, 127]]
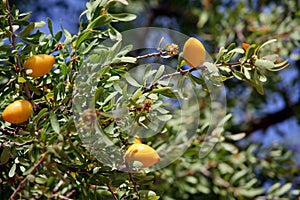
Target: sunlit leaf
[[54, 122], [12, 170], [131, 80], [125, 17], [159, 72], [236, 137]]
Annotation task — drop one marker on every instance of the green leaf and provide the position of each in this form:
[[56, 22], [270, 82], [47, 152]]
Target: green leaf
[[247, 73], [250, 184], [231, 47], [261, 76], [237, 50], [23, 140], [33, 88], [5, 154], [12, 170], [30, 178], [238, 175], [131, 80], [85, 35], [40, 24], [125, 50], [166, 91], [236, 137], [58, 36], [230, 147], [148, 194], [159, 73], [266, 64], [273, 188], [258, 85], [251, 192], [211, 68], [220, 55], [250, 51], [21, 79], [110, 96], [54, 122], [164, 118], [98, 93], [27, 30], [284, 189], [266, 43], [89, 47], [40, 114], [40, 180], [191, 179], [67, 34], [280, 66], [50, 26], [24, 16], [99, 21], [238, 75], [124, 17], [124, 2]]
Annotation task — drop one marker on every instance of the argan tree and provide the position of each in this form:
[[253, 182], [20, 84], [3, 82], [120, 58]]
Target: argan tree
[[146, 112]]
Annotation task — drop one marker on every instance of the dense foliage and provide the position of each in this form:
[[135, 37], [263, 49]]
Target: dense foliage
[[101, 92]]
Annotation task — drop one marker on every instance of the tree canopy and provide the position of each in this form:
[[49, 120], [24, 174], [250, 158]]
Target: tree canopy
[[150, 100]]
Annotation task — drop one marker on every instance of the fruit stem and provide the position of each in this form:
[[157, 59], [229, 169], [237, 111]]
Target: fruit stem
[[137, 140]]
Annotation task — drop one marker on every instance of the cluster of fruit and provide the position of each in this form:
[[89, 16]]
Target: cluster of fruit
[[38, 65], [194, 55], [20, 110]]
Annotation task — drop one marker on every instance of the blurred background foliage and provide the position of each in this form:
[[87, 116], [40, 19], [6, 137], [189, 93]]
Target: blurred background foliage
[[261, 164]]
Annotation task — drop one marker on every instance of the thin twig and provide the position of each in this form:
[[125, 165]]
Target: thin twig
[[134, 185], [111, 191], [157, 54], [60, 197], [8, 84], [233, 64], [56, 188], [70, 193], [21, 185], [180, 72], [14, 44]]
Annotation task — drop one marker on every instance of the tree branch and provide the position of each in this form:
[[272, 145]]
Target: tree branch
[[111, 191], [21, 185], [19, 67], [134, 185]]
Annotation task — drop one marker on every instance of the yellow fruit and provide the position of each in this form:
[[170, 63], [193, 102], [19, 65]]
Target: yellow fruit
[[17, 112], [194, 52], [40, 64], [142, 153]]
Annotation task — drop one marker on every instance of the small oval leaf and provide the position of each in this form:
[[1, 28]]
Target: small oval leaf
[[5, 155]]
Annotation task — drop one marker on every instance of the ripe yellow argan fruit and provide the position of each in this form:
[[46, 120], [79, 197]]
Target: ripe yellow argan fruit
[[17, 112], [194, 52], [142, 153], [40, 64]]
